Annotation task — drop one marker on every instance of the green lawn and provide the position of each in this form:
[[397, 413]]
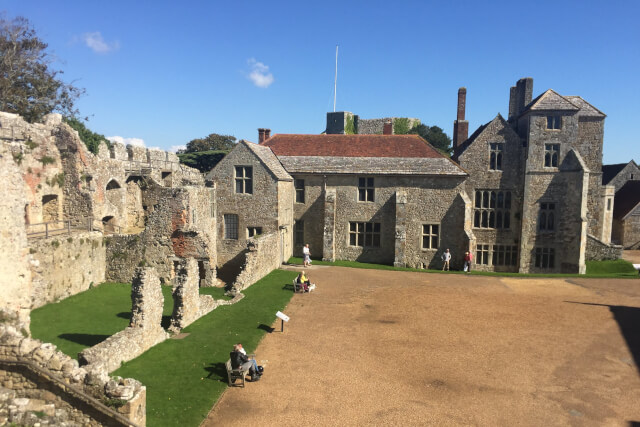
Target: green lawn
[[85, 319], [618, 269], [185, 377]]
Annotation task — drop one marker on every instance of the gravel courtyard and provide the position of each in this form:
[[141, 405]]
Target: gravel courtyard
[[373, 347]]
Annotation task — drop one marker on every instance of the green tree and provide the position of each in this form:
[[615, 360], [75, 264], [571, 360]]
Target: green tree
[[28, 84], [91, 139], [212, 142], [204, 161], [435, 136]]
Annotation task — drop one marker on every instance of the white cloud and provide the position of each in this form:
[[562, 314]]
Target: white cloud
[[138, 142], [259, 74], [96, 43], [175, 148]]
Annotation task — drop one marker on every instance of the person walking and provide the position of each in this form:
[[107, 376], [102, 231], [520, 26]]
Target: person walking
[[306, 252], [446, 258], [468, 257]]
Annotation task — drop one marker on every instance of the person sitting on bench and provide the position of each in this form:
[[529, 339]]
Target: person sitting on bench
[[304, 281], [240, 360], [251, 358]]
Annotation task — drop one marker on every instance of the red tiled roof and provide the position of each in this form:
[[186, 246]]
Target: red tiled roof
[[337, 145]]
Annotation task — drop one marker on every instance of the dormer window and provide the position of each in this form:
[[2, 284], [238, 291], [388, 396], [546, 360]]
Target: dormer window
[[554, 122]]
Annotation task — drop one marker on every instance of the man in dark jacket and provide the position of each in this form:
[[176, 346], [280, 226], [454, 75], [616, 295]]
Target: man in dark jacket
[[240, 360]]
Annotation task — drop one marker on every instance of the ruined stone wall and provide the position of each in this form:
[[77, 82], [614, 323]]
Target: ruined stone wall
[[66, 265], [260, 259], [375, 126], [47, 379], [15, 273], [597, 250], [259, 209], [476, 161]]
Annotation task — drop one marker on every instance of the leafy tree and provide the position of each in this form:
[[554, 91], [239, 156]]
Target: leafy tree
[[435, 136], [213, 142], [204, 161], [28, 84], [91, 139]]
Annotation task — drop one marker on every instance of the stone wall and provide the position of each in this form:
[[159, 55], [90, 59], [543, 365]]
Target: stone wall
[[259, 259], [627, 232], [630, 172], [597, 250], [375, 126], [15, 273], [36, 376], [144, 330], [66, 265]]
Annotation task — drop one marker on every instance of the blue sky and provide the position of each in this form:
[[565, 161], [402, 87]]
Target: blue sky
[[166, 72]]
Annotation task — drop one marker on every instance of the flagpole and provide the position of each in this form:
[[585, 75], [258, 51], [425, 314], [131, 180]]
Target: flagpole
[[335, 82]]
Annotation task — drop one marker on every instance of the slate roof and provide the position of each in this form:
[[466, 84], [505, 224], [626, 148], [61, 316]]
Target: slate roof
[[269, 159], [610, 171], [586, 109], [365, 154], [550, 100], [626, 199]]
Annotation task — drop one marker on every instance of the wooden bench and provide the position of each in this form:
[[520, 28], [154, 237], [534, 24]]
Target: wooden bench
[[235, 374]]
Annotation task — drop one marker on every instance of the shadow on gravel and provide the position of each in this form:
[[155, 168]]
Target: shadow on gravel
[[85, 339], [628, 319], [266, 328]]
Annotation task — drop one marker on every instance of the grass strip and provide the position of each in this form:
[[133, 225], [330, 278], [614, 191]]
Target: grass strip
[[185, 377], [618, 269], [88, 318]]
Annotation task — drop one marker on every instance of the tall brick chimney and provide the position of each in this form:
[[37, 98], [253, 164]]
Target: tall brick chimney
[[520, 96], [460, 125], [260, 135], [387, 128], [267, 134]]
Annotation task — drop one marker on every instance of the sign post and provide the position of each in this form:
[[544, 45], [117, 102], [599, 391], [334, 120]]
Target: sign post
[[284, 318]]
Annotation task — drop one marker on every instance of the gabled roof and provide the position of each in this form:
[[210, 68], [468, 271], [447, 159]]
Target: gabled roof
[[551, 100], [337, 145], [610, 171], [462, 147], [586, 109], [269, 159], [626, 199], [362, 154]]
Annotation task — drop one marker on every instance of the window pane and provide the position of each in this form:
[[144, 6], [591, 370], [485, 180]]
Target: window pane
[[485, 199], [352, 240], [425, 242], [500, 199], [369, 182], [238, 186], [239, 172], [360, 227], [506, 220], [499, 220], [478, 199], [493, 200], [434, 242], [484, 219], [370, 195], [550, 223], [549, 122], [499, 161], [368, 227], [361, 194], [368, 239], [352, 226], [492, 219], [376, 227], [248, 186], [507, 200], [434, 229], [361, 182], [476, 219], [492, 161]]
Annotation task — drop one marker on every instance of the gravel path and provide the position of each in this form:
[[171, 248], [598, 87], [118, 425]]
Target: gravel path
[[373, 347]]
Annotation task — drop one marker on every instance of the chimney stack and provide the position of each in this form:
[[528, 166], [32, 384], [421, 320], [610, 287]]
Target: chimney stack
[[520, 96], [460, 125], [267, 134], [260, 135], [387, 128]]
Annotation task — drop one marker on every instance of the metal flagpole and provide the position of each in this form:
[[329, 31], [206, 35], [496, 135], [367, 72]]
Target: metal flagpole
[[335, 82]]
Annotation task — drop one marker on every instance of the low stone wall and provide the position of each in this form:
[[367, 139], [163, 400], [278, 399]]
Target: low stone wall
[[263, 256], [37, 377], [144, 331], [597, 250], [66, 265]]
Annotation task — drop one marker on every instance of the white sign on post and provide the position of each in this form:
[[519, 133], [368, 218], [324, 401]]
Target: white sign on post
[[281, 315]]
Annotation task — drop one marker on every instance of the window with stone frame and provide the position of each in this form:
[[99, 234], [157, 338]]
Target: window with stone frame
[[545, 257], [496, 153], [244, 179], [554, 122], [366, 190], [299, 186], [492, 209], [430, 236], [364, 234], [212, 206], [231, 226], [609, 204], [253, 231], [551, 154], [298, 235], [505, 255], [547, 217], [482, 254]]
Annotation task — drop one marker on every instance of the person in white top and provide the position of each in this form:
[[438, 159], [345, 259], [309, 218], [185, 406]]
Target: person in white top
[[307, 255], [446, 257]]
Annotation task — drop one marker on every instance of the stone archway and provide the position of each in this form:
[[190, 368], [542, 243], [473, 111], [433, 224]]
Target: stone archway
[[50, 208], [109, 224]]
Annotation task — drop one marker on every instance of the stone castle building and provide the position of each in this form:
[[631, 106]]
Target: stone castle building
[[523, 194]]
